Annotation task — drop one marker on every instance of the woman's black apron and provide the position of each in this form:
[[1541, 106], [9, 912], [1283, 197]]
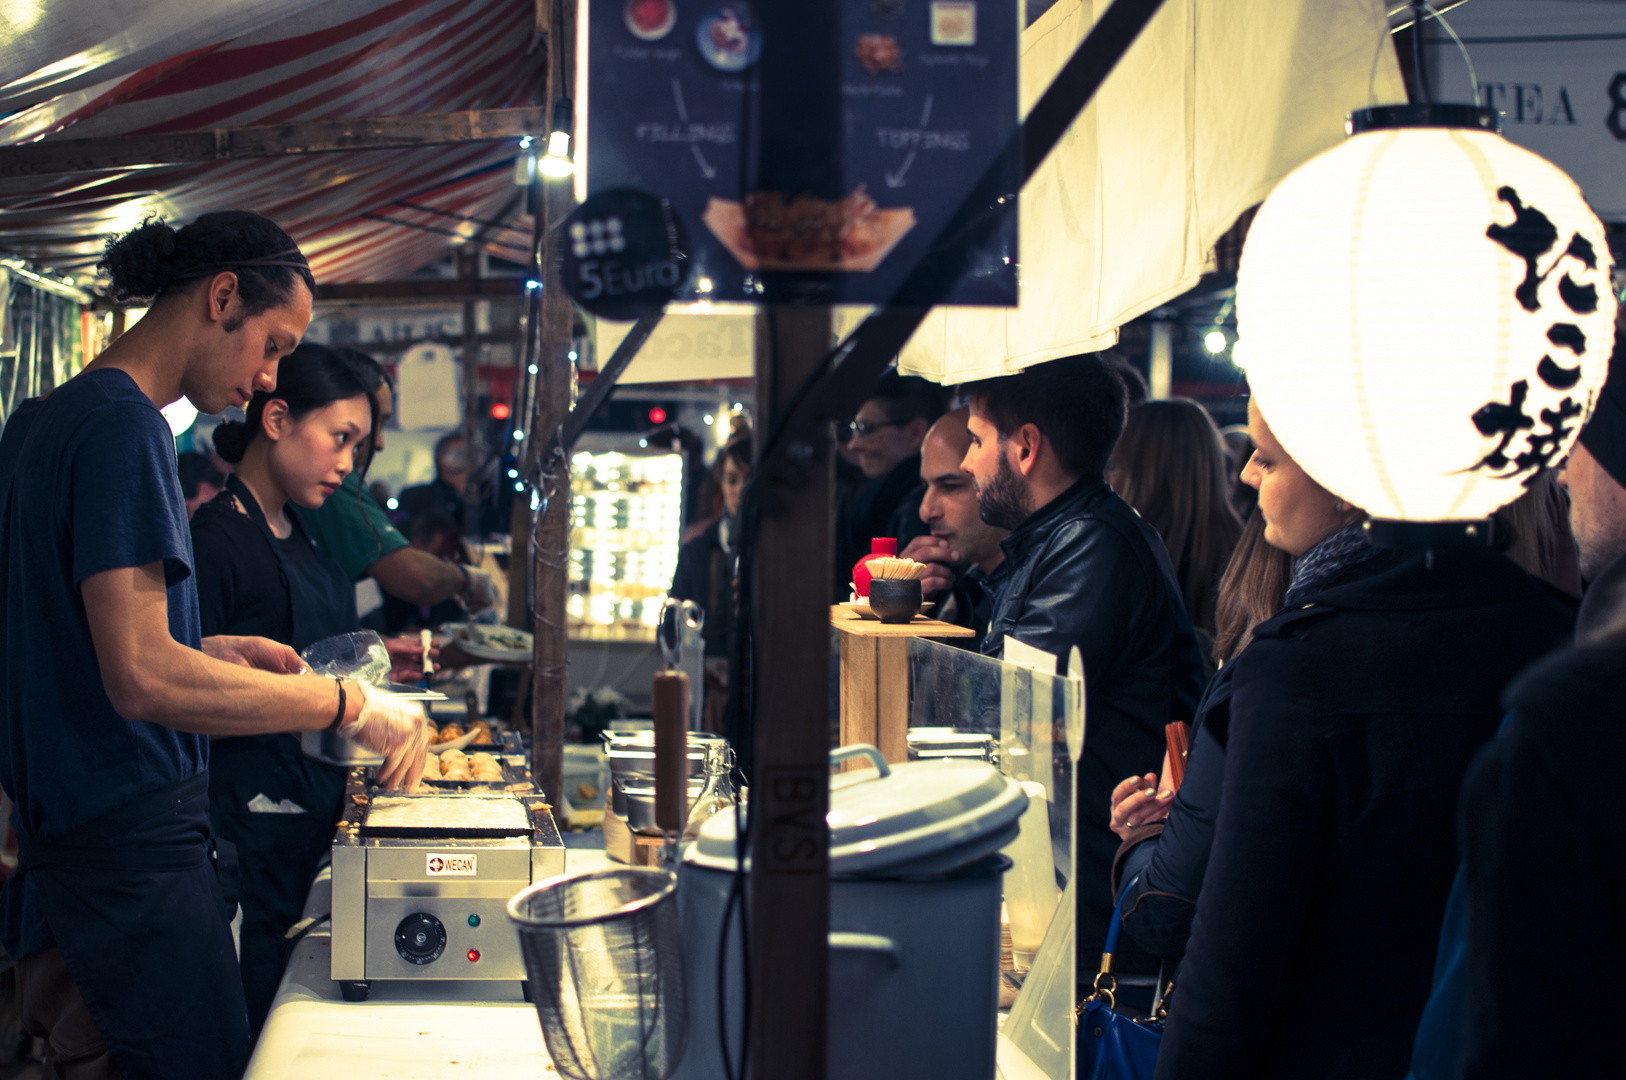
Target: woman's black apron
[[278, 853], [135, 902]]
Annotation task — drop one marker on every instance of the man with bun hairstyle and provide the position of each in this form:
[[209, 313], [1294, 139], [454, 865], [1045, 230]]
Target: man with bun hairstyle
[[117, 916]]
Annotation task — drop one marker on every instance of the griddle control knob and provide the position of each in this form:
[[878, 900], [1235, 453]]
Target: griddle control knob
[[420, 939]]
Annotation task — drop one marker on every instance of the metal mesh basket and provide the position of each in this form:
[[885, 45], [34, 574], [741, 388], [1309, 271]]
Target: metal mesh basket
[[603, 955]]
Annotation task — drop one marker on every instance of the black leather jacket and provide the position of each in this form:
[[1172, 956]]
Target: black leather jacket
[[1086, 570]]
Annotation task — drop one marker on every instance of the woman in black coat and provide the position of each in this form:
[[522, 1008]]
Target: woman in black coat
[[1351, 720]]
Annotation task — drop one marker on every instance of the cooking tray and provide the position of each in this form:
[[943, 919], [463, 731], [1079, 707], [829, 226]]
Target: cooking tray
[[516, 779], [444, 817]]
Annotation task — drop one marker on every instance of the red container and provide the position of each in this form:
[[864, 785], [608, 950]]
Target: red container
[[878, 546]]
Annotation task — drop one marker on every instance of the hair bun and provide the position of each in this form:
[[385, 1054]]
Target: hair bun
[[139, 262], [231, 440]]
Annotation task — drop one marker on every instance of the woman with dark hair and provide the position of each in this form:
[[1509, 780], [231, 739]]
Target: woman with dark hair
[[705, 574], [1170, 465], [117, 921], [1317, 813], [259, 573]]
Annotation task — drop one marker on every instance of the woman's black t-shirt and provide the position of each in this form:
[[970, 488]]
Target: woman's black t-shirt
[[239, 589]]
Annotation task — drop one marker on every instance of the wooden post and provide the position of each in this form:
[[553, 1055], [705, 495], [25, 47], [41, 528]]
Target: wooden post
[[550, 548], [468, 268], [790, 789], [875, 678]]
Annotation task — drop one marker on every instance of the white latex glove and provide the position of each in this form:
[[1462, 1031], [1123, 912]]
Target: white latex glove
[[394, 727], [481, 592]]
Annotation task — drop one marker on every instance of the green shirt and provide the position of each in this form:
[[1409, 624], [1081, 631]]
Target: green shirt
[[353, 528]]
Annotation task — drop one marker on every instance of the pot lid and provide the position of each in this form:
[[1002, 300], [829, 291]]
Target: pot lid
[[904, 815]]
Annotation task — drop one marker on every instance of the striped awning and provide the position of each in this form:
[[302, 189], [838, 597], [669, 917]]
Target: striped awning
[[155, 66]]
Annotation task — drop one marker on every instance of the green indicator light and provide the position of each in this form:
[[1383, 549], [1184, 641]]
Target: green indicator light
[[474, 920]]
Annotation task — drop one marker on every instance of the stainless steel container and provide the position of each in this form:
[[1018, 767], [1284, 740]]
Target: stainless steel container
[[926, 743], [632, 754], [636, 805], [335, 749]]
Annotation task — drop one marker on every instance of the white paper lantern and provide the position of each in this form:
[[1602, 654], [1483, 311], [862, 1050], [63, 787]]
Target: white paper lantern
[[1428, 319]]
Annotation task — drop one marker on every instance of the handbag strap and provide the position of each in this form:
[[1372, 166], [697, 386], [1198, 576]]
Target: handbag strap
[[1106, 984], [1116, 925]]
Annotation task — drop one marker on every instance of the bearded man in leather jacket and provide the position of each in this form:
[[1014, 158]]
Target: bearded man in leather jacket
[[1083, 570]]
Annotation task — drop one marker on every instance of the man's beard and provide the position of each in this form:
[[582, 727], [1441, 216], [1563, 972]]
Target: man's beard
[[1004, 502]]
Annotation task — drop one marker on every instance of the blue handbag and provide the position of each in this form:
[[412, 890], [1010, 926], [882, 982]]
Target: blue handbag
[[1112, 1046]]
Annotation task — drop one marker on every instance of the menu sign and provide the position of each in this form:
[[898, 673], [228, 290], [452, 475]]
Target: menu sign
[[928, 102]]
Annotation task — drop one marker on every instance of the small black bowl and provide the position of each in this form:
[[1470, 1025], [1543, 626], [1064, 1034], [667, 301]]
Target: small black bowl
[[895, 600]]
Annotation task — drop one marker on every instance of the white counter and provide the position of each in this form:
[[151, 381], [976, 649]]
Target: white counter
[[405, 1030]]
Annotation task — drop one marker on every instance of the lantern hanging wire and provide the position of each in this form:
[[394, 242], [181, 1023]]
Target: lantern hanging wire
[[1420, 12]]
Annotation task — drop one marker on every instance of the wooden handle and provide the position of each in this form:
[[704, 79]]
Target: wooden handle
[[671, 710]]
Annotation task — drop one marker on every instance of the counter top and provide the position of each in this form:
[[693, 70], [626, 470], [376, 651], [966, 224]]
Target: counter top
[[405, 1030]]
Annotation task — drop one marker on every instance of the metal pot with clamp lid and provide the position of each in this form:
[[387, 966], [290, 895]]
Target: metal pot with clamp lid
[[915, 891]]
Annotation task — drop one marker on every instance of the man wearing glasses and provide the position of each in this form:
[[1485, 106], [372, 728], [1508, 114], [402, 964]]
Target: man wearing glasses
[[887, 433]]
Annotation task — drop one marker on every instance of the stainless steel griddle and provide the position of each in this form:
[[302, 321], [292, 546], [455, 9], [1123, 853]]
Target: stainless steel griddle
[[420, 881]]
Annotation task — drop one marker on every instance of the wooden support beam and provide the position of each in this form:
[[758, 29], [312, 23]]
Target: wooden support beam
[[429, 291], [380, 349], [468, 270], [112, 152], [790, 770], [550, 544]]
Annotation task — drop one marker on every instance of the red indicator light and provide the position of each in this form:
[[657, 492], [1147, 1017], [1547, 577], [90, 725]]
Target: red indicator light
[[657, 415], [499, 411], [474, 954]]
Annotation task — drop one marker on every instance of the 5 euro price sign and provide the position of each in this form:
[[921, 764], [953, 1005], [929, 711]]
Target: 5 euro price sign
[[625, 255]]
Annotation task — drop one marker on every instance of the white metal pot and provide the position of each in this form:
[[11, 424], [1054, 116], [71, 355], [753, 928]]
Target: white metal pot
[[914, 923]]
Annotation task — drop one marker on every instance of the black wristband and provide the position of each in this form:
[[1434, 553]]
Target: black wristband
[[338, 717], [461, 569]]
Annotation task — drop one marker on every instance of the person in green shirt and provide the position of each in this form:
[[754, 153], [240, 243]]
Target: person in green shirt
[[352, 528]]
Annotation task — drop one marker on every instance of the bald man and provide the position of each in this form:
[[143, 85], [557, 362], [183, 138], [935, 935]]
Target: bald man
[[962, 550]]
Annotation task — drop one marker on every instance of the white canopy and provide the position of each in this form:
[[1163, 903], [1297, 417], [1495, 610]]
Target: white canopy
[[1217, 101]]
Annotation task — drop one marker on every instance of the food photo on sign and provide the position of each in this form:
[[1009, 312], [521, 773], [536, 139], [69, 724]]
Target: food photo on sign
[[928, 95]]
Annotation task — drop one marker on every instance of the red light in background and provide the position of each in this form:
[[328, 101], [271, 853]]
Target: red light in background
[[474, 954], [657, 415], [499, 410]]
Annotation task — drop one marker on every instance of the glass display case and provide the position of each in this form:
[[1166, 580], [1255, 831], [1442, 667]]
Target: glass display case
[[626, 522]]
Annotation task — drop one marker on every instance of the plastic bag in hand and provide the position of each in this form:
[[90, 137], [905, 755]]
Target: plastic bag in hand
[[360, 656]]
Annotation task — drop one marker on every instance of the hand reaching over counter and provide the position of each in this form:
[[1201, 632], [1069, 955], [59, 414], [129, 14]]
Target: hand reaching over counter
[[390, 725]]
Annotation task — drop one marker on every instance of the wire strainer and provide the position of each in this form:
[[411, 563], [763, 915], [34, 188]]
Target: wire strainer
[[603, 955]]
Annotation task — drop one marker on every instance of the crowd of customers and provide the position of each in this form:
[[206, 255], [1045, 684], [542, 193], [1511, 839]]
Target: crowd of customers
[[1358, 875]]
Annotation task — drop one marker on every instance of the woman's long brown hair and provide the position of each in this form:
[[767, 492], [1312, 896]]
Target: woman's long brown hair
[[1170, 465], [1251, 590]]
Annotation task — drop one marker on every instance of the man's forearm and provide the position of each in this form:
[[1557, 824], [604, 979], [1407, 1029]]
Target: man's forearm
[[416, 576], [187, 690], [148, 675]]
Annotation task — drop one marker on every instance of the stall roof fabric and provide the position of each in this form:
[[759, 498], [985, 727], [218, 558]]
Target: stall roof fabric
[[1213, 104], [157, 66]]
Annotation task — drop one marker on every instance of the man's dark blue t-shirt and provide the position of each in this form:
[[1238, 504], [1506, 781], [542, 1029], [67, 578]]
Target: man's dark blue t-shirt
[[87, 484]]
